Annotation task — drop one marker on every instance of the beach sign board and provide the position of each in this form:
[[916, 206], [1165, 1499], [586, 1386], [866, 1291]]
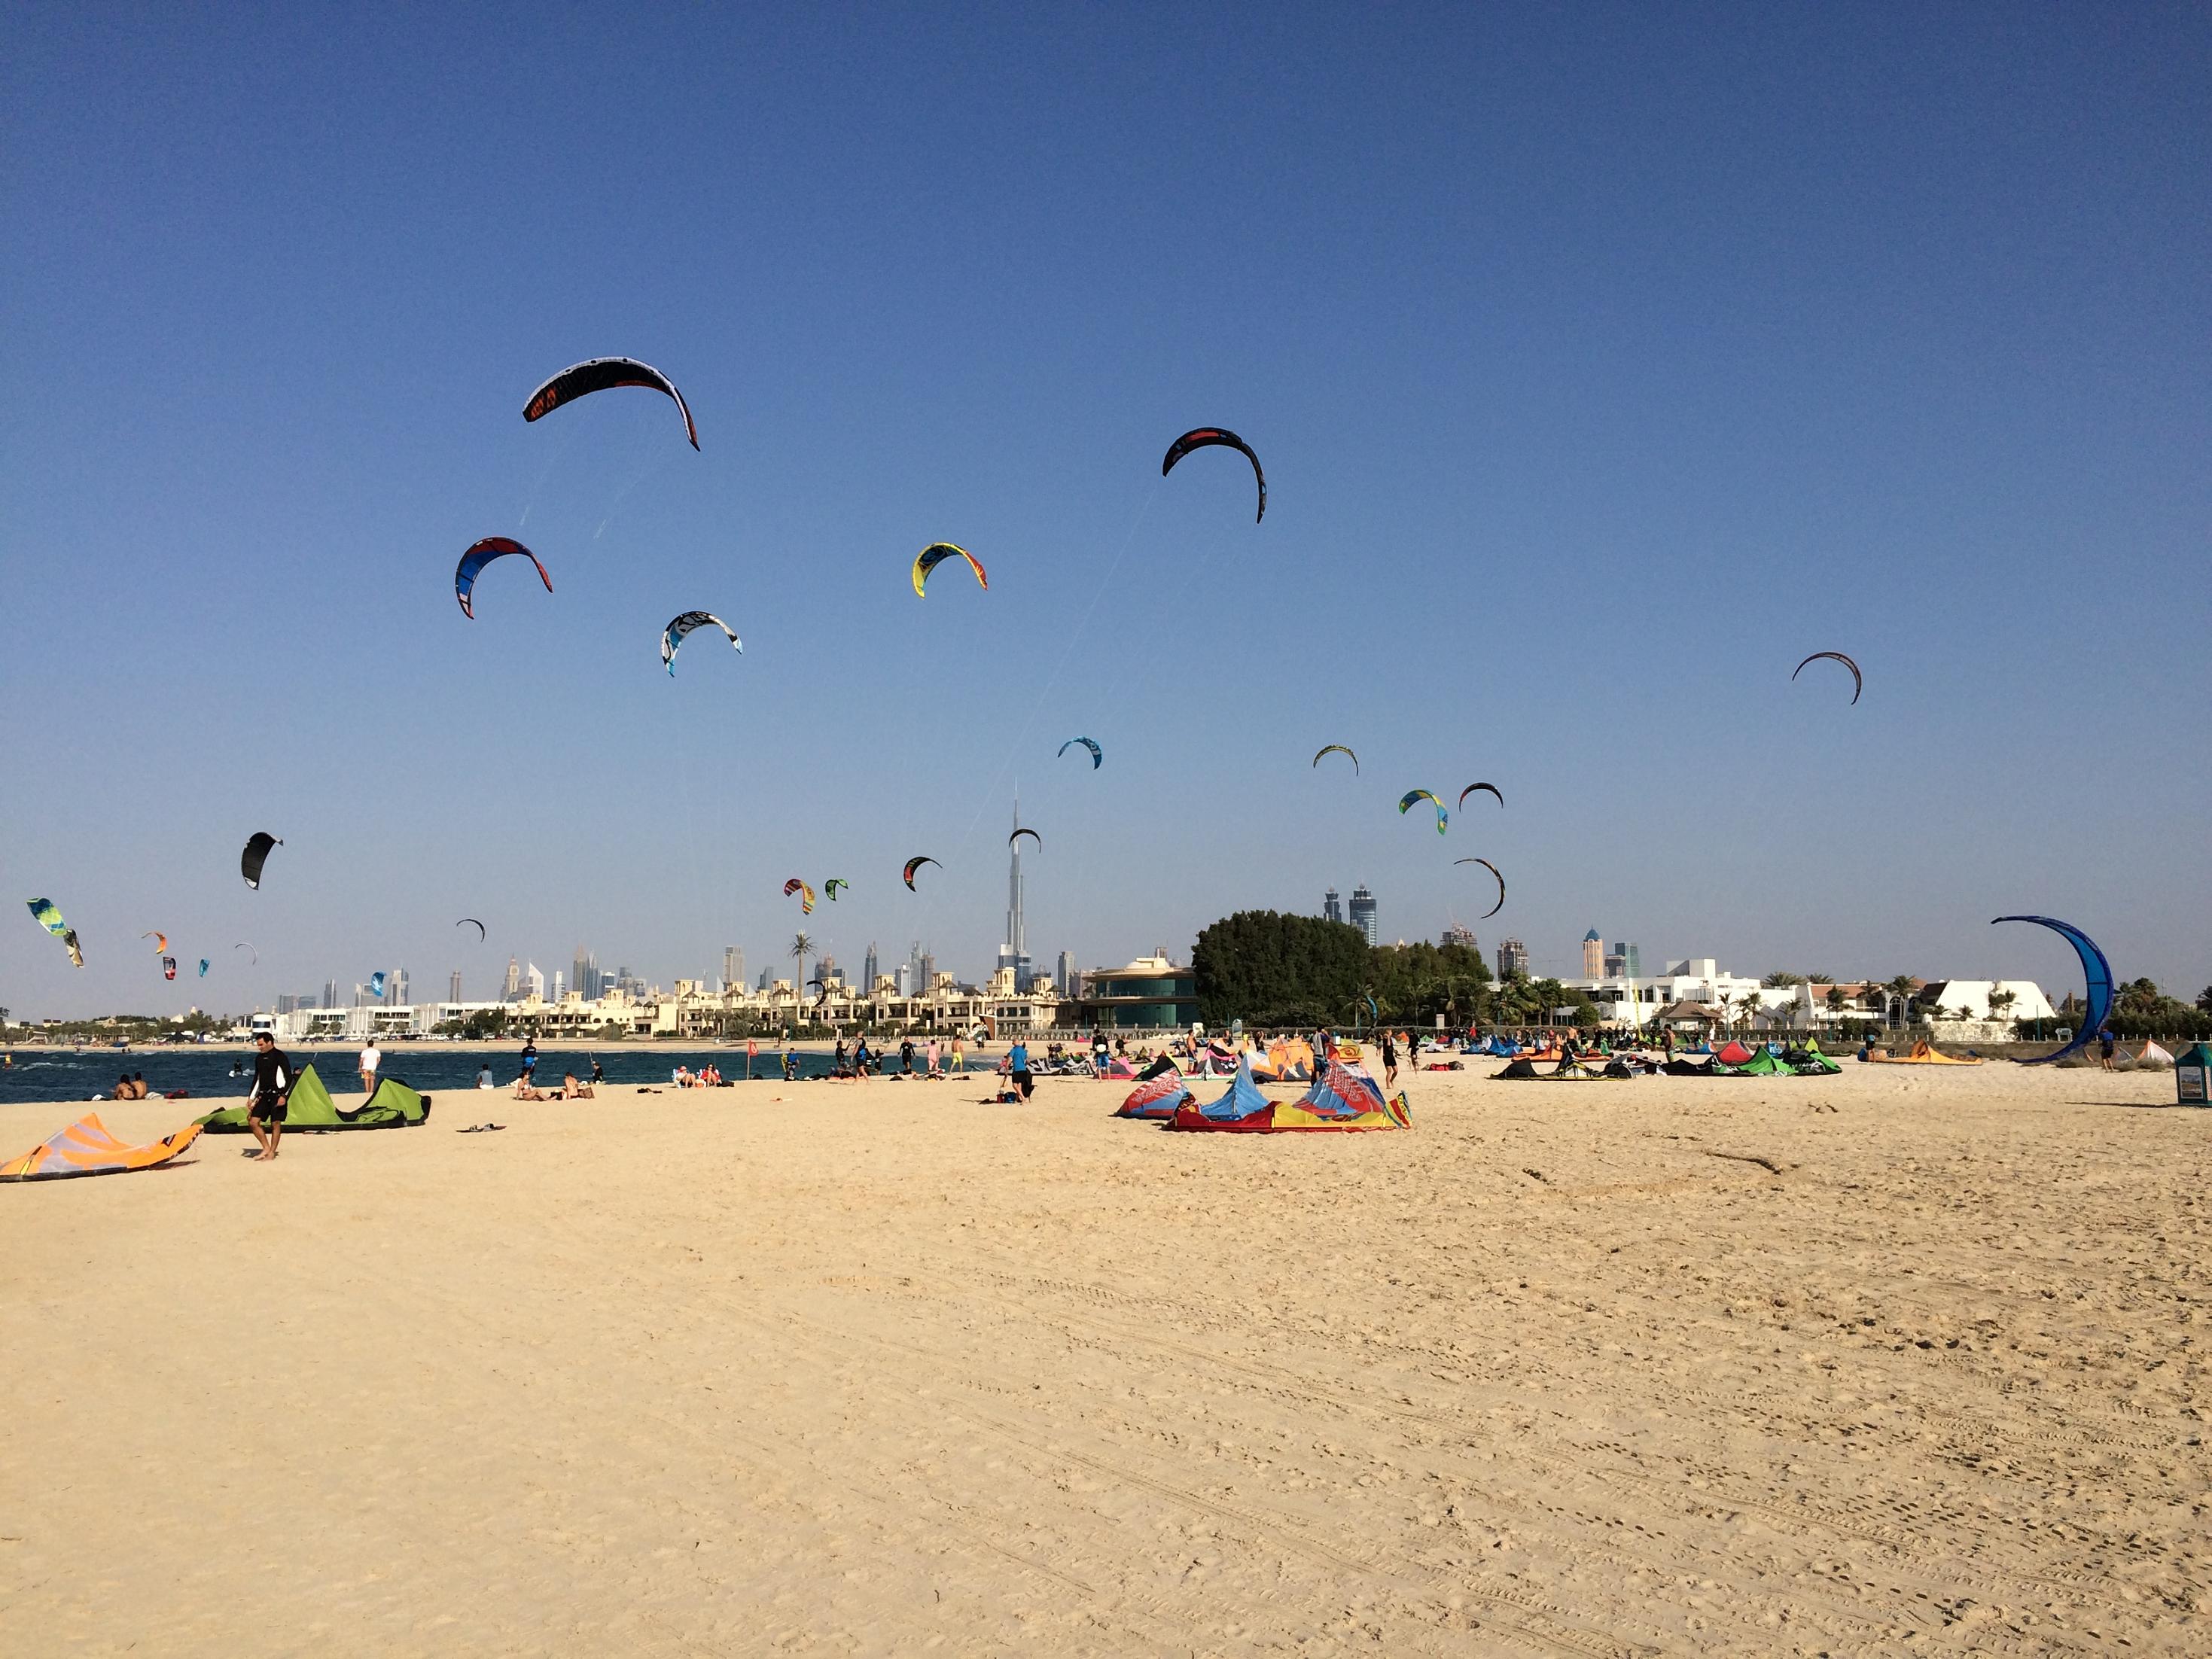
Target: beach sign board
[[2192, 1078]]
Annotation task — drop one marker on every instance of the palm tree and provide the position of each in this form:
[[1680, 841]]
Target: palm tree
[[802, 946]]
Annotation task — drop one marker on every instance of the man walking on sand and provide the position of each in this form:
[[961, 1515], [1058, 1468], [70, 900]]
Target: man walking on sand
[[371, 1057], [266, 1095]]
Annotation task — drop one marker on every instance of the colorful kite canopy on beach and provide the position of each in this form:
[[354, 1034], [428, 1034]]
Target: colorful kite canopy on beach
[[936, 554], [600, 374], [86, 1148], [1204, 437], [481, 554]]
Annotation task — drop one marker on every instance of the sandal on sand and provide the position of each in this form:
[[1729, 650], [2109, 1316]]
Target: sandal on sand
[[480, 1129]]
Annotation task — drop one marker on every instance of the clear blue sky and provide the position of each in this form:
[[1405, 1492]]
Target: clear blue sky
[[1604, 362]]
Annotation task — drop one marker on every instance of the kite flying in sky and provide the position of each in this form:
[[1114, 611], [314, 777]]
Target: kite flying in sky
[[255, 855], [50, 918], [829, 888], [1472, 787], [471, 921], [161, 942], [168, 967], [598, 374], [1858, 680], [376, 985], [1097, 755], [913, 865], [481, 554], [1031, 834], [203, 967], [1412, 795], [254, 957], [1492, 868], [936, 554], [1200, 438], [1336, 749], [672, 635], [806, 895]]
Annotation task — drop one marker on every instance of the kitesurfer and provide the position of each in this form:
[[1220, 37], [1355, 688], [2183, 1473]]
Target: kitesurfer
[[267, 1095]]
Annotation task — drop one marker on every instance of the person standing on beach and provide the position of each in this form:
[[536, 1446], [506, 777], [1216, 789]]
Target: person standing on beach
[[265, 1096], [2104, 1048], [1389, 1061], [960, 1055], [529, 1063], [906, 1056], [1017, 1065], [371, 1057], [936, 1068]]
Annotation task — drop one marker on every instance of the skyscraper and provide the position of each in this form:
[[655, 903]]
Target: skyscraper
[[453, 987], [1015, 952], [1592, 955], [733, 968], [560, 985], [1363, 911], [534, 979], [762, 986], [1462, 937], [1065, 976], [1331, 908], [1630, 960], [398, 983], [330, 993], [1512, 959], [869, 968], [513, 979], [928, 969], [586, 977]]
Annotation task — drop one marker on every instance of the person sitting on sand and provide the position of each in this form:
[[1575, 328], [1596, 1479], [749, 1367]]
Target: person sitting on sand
[[483, 1077], [522, 1091], [123, 1089], [572, 1089], [681, 1077]]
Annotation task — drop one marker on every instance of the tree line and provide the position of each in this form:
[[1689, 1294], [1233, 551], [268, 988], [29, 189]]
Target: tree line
[[1272, 970]]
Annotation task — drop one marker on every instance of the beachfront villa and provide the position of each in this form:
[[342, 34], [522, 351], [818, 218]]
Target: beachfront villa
[[1697, 991]]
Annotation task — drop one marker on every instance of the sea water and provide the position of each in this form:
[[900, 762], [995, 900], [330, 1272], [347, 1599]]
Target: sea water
[[431, 1068]]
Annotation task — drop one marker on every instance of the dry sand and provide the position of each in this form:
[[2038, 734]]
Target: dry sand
[[1903, 1361]]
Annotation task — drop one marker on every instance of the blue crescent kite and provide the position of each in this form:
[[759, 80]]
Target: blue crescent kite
[[2095, 970], [1097, 755], [481, 554]]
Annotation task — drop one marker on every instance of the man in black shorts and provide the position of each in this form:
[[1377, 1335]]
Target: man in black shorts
[[266, 1095]]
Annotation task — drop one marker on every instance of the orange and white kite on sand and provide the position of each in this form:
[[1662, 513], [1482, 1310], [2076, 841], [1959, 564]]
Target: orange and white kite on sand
[[86, 1148]]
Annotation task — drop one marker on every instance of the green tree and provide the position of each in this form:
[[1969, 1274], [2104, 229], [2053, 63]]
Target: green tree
[[1269, 968], [802, 946], [1781, 979]]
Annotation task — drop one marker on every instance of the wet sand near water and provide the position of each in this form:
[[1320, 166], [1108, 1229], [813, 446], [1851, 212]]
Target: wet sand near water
[[1904, 1360]]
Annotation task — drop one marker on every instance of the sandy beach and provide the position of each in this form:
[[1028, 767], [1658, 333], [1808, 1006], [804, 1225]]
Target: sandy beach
[[1903, 1360]]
